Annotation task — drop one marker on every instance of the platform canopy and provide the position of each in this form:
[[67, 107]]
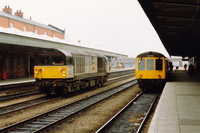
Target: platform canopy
[[15, 40], [177, 23]]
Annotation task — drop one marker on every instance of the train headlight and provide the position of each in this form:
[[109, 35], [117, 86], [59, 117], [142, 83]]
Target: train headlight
[[63, 75], [159, 76], [141, 75], [38, 70], [62, 70]]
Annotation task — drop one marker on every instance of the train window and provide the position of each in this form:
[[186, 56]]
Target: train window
[[57, 60], [159, 64], [166, 64], [141, 64], [150, 64], [43, 60], [68, 61]]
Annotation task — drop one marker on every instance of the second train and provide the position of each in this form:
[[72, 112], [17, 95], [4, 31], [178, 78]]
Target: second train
[[152, 70]]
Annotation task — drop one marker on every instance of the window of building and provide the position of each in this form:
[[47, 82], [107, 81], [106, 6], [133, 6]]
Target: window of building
[[54, 35], [36, 31], [15, 66], [12, 25], [45, 33], [21, 63], [7, 63], [25, 29]]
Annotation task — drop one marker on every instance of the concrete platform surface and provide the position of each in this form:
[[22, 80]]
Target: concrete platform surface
[[178, 110]]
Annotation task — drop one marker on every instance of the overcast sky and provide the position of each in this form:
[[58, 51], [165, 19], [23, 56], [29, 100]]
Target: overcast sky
[[113, 25]]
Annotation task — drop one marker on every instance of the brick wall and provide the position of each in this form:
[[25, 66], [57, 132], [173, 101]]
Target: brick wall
[[5, 22]]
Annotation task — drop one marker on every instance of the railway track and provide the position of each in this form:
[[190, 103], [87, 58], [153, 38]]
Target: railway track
[[14, 108], [18, 95], [46, 120], [17, 107], [112, 78], [131, 118]]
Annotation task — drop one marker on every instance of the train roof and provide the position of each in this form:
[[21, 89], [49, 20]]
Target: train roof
[[150, 54]]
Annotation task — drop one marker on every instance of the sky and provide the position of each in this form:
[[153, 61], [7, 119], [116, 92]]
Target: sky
[[119, 26]]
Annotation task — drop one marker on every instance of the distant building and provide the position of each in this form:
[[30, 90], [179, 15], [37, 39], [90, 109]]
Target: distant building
[[8, 20], [122, 62]]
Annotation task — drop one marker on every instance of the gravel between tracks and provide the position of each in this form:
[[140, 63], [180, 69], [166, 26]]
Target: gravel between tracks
[[6, 103], [36, 111], [92, 119]]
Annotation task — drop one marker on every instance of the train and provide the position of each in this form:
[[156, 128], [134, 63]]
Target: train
[[152, 70], [59, 71]]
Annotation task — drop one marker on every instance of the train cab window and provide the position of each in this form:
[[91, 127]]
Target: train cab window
[[58, 60], [43, 60], [141, 64], [69, 61], [159, 64], [150, 64]]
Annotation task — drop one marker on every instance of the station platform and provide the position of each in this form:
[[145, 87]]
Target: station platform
[[31, 78], [16, 81], [178, 110]]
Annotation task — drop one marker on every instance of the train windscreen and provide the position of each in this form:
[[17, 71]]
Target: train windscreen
[[159, 64], [141, 64], [51, 59], [150, 64]]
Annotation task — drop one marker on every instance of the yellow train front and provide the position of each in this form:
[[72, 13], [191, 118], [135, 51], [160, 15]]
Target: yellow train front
[[152, 69], [62, 71]]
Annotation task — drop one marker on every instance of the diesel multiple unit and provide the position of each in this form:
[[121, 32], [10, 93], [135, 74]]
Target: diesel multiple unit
[[152, 69]]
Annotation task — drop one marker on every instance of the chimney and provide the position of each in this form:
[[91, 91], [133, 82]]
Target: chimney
[[7, 10], [19, 13]]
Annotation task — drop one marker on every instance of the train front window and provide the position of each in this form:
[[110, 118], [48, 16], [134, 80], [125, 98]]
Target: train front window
[[159, 64], [58, 60], [141, 64], [51, 60], [150, 64], [43, 60]]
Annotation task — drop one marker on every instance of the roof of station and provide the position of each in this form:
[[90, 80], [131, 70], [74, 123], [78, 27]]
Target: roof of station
[[12, 39], [177, 23]]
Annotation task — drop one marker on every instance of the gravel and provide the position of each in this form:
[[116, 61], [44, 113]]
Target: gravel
[[92, 119], [14, 118]]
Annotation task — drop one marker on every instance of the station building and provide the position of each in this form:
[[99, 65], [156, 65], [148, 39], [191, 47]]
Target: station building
[[13, 58], [9, 20]]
